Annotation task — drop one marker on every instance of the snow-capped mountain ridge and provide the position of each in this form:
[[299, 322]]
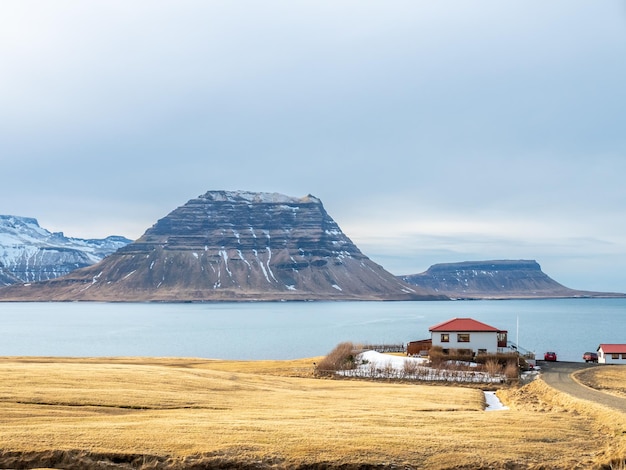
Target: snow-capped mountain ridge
[[30, 253]]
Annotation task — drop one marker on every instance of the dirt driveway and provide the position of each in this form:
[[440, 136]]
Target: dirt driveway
[[559, 376]]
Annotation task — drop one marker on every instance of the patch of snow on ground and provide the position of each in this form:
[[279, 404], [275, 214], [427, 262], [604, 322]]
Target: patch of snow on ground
[[224, 256], [243, 259], [95, 278], [530, 375], [493, 402], [269, 258], [396, 361], [260, 263]]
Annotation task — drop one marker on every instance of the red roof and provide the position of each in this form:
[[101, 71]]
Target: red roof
[[463, 324], [613, 348]]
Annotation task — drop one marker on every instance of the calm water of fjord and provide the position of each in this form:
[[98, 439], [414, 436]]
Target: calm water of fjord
[[284, 330]]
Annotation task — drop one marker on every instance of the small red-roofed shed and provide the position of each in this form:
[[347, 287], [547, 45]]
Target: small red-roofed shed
[[612, 354]]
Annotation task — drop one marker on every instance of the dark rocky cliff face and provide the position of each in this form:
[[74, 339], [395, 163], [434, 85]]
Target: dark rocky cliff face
[[233, 246], [499, 279]]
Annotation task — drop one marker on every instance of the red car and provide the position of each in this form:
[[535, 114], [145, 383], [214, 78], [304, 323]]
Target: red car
[[590, 357], [549, 356]]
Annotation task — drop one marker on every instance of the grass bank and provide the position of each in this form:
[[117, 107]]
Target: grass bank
[[148, 413], [610, 379], [605, 427]]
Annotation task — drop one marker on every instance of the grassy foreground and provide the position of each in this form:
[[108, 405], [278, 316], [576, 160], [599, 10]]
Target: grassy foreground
[[610, 379], [184, 413]]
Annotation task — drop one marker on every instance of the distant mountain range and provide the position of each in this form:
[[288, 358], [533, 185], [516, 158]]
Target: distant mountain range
[[499, 279], [29, 253], [232, 245], [241, 246]]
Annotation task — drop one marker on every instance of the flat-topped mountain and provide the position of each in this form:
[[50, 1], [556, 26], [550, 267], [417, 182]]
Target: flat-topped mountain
[[499, 279], [232, 245], [30, 253]]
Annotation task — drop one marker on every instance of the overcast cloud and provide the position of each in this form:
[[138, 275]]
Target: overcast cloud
[[433, 131]]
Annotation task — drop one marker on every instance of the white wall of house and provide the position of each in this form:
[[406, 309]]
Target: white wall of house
[[486, 340], [607, 358]]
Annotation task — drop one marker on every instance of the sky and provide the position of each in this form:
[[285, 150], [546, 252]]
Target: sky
[[433, 132]]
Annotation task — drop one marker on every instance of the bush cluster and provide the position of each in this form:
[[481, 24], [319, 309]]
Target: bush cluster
[[507, 364], [437, 356], [414, 371], [342, 357], [503, 359]]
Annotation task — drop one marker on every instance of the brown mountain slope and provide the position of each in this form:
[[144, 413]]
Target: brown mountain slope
[[230, 246], [497, 279]]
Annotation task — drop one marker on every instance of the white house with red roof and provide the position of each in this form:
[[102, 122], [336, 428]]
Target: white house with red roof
[[467, 333], [612, 354]]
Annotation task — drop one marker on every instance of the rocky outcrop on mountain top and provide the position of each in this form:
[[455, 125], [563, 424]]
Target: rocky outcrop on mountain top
[[232, 245]]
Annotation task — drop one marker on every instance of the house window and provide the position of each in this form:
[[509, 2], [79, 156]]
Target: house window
[[482, 351], [445, 338], [614, 356], [463, 338]]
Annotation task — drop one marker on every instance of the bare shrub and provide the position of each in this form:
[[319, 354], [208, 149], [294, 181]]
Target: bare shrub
[[493, 367], [388, 370], [511, 370], [436, 356], [372, 370], [502, 358], [509, 363], [410, 368], [463, 354], [342, 357]]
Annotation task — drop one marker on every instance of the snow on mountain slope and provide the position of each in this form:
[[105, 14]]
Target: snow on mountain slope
[[30, 253]]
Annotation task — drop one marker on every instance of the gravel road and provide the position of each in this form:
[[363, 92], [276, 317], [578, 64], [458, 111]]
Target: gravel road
[[559, 376]]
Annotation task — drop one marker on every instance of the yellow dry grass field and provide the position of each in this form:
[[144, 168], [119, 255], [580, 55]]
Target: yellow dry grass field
[[176, 413], [609, 379]]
